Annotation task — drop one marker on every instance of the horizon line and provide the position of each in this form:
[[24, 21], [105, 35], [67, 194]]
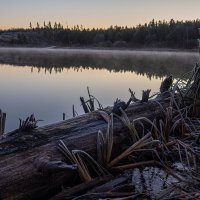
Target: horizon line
[[96, 28]]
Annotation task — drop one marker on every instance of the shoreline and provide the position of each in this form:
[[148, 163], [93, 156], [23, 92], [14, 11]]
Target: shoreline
[[97, 49]]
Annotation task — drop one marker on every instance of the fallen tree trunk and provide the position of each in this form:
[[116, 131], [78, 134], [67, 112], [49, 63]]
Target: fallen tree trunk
[[20, 176], [81, 188]]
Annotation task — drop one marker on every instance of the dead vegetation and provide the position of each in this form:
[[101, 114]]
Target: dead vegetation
[[170, 143]]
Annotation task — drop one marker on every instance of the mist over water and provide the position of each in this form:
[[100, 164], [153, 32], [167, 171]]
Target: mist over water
[[47, 82]]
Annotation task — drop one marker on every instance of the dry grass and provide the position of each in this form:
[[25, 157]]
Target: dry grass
[[89, 105], [171, 139], [105, 143], [80, 158]]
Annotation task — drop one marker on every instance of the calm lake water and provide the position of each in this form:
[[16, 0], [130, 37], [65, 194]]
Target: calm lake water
[[47, 82]]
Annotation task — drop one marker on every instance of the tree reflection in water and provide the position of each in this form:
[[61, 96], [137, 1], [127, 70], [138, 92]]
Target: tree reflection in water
[[153, 64]]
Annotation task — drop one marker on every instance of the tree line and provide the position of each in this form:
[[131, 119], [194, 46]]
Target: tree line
[[155, 34]]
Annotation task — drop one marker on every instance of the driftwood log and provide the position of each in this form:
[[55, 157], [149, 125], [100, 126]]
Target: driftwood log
[[25, 172]]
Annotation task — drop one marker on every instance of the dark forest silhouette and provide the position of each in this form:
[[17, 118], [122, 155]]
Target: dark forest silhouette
[[155, 34]]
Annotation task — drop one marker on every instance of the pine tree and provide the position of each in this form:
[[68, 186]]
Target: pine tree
[[49, 25], [38, 26], [55, 26], [44, 25], [30, 26]]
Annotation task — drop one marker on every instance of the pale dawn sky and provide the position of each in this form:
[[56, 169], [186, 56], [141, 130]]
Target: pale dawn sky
[[93, 13]]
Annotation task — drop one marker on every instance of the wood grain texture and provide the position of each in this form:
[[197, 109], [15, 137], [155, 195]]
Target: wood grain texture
[[19, 177]]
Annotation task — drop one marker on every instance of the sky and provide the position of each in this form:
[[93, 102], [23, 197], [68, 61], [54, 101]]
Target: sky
[[94, 13]]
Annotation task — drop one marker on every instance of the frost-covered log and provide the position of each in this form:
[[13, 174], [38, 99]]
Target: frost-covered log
[[31, 166]]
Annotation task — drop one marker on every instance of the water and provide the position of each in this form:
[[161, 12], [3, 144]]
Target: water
[[47, 82]]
